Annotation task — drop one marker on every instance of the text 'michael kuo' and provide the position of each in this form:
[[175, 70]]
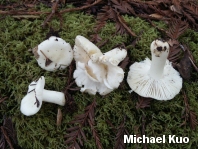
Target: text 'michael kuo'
[[162, 139]]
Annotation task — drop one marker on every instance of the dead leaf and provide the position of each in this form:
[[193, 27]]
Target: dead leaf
[[189, 116], [76, 133], [193, 120], [185, 66], [176, 28], [175, 51], [156, 16], [124, 63], [143, 102], [175, 9]]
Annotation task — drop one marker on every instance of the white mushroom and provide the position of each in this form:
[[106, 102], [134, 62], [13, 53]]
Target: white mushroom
[[36, 94], [157, 78], [53, 53], [97, 72]]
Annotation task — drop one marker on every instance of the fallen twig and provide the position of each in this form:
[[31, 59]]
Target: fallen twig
[[6, 137], [189, 115], [2, 99], [16, 12], [54, 8], [80, 8], [121, 20], [193, 64]]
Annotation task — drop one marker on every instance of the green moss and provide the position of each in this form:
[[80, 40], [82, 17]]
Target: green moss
[[18, 68]]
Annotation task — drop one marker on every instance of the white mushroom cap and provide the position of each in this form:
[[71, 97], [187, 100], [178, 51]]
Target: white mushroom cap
[[53, 53], [36, 94], [157, 78], [115, 56], [32, 102], [80, 54], [114, 76], [92, 50], [98, 78], [100, 75]]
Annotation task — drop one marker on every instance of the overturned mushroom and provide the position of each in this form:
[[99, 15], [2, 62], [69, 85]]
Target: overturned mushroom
[[95, 71], [36, 94], [157, 78], [53, 53]]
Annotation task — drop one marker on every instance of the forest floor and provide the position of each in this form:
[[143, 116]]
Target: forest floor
[[95, 121]]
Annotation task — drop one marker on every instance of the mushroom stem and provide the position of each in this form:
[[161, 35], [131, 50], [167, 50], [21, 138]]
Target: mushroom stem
[[159, 51], [157, 67], [54, 97]]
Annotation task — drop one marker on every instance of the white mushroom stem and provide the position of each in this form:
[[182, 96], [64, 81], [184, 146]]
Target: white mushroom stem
[[54, 97], [159, 51], [157, 67]]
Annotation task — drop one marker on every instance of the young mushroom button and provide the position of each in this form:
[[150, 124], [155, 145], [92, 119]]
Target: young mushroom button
[[36, 94], [157, 78], [53, 53]]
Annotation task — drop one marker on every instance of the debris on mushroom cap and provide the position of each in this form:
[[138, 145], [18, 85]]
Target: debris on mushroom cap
[[53, 53], [102, 75], [157, 78]]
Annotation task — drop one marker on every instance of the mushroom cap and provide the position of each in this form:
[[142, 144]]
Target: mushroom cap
[[32, 102], [114, 56], [80, 54], [114, 76], [96, 72], [90, 49], [165, 88], [97, 77], [88, 81], [53, 53]]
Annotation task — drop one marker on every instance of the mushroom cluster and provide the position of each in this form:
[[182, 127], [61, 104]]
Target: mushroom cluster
[[53, 53], [36, 94], [157, 78], [97, 71]]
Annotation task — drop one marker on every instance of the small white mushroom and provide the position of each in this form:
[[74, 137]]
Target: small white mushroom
[[157, 78], [36, 94], [53, 53], [97, 72]]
